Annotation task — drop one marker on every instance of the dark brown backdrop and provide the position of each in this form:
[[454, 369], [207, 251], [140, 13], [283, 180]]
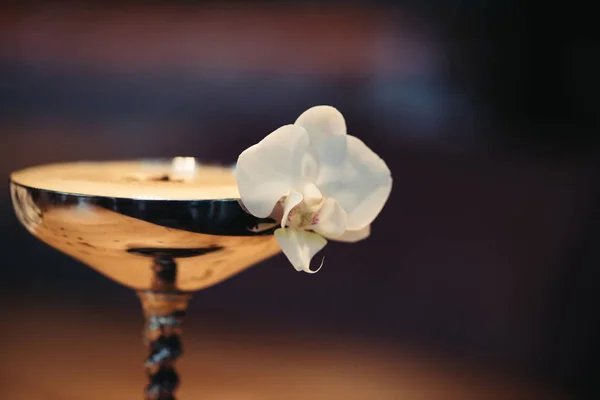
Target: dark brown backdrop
[[486, 250]]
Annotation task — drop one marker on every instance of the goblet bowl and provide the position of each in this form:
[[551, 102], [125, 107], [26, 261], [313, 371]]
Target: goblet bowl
[[162, 228]]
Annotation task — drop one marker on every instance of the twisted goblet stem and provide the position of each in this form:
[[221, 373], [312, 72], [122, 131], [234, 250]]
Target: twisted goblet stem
[[164, 312]]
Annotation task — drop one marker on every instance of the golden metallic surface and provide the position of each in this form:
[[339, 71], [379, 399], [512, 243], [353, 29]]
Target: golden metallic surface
[[208, 239]]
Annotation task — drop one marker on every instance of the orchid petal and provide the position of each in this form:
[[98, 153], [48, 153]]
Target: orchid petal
[[267, 171], [321, 122], [332, 150], [291, 201], [300, 246], [361, 182], [310, 166], [331, 220], [354, 236], [312, 195]]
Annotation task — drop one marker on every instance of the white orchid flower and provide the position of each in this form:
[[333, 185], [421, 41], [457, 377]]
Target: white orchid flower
[[329, 185]]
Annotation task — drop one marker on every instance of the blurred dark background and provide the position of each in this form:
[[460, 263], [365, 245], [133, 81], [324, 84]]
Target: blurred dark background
[[486, 112]]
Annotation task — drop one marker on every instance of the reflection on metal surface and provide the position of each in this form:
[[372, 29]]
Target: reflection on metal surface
[[27, 212], [165, 249], [164, 313], [209, 240]]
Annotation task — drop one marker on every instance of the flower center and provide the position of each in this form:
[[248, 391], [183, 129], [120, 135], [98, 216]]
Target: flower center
[[304, 216]]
